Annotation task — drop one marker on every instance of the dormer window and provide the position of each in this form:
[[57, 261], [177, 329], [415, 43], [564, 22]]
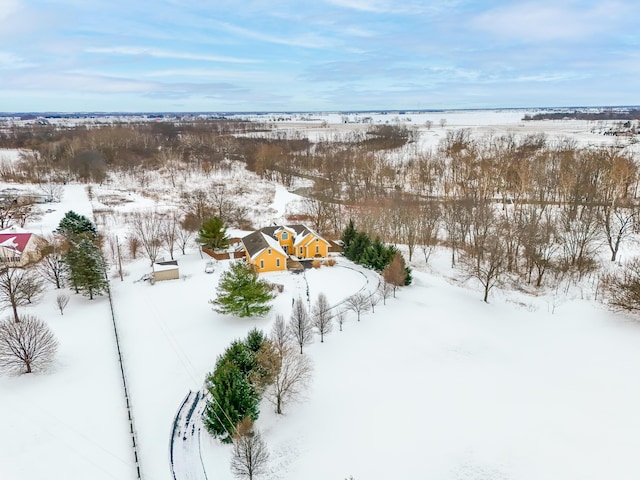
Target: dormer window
[[285, 236]]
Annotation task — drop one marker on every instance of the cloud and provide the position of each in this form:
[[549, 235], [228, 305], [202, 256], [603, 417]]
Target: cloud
[[395, 7], [306, 41], [8, 8], [10, 61], [154, 52], [551, 21]]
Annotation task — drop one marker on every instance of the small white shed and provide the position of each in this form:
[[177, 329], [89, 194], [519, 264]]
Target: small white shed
[[166, 271]]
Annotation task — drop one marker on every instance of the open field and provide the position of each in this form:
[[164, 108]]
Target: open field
[[434, 384]]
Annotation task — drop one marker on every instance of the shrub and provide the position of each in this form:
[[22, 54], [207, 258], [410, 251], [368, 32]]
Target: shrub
[[316, 263]]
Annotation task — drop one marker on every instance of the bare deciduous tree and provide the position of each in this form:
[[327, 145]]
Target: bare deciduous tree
[[300, 324], [395, 273], [250, 455], [358, 303], [170, 227], [133, 244], [487, 269], [292, 378], [341, 317], [62, 301], [17, 288], [52, 266], [617, 225], [374, 299], [622, 289], [280, 335], [53, 191], [27, 346], [318, 212], [385, 289], [33, 287], [147, 227], [184, 234], [321, 315]]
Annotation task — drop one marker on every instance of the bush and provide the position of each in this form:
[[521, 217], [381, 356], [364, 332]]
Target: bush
[[330, 262], [316, 263]]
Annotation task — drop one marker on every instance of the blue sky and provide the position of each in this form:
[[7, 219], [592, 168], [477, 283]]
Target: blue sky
[[305, 55]]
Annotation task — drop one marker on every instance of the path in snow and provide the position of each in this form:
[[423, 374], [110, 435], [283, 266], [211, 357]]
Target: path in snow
[[185, 456], [185, 445]]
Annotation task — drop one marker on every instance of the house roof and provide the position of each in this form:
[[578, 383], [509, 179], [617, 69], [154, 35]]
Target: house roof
[[15, 241], [303, 233], [257, 242]]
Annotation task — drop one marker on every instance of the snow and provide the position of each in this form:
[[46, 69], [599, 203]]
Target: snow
[[434, 384]]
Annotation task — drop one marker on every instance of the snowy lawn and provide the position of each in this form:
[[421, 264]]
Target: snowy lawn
[[438, 384], [171, 337]]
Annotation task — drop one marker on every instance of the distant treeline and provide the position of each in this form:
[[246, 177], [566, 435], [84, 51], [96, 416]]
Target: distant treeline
[[632, 114]]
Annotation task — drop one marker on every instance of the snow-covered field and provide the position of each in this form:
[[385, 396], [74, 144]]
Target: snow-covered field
[[436, 384]]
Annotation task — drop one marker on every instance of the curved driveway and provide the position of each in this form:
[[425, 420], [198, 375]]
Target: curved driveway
[[185, 445]]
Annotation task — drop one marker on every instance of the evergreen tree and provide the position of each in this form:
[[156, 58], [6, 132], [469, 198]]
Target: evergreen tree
[[348, 235], [86, 268], [74, 225], [213, 234], [235, 385], [378, 256], [255, 339], [357, 247], [242, 293], [408, 277], [233, 398]]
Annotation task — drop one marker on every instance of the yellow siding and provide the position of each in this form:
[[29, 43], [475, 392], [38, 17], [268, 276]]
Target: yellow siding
[[312, 247], [288, 242], [266, 262]]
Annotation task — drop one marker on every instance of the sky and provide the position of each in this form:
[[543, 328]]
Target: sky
[[315, 55]]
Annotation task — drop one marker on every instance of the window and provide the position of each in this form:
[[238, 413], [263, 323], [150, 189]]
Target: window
[[317, 239], [317, 249], [285, 236], [278, 262], [261, 264], [269, 251], [300, 251]]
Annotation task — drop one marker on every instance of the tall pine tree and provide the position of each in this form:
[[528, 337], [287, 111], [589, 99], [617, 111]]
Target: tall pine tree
[[235, 386], [86, 268], [74, 225], [233, 398], [348, 235]]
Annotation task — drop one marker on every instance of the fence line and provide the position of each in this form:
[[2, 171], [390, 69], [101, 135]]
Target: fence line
[[125, 387]]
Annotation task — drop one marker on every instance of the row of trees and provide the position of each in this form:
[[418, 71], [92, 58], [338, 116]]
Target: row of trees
[[248, 370], [386, 259], [75, 259], [273, 367]]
